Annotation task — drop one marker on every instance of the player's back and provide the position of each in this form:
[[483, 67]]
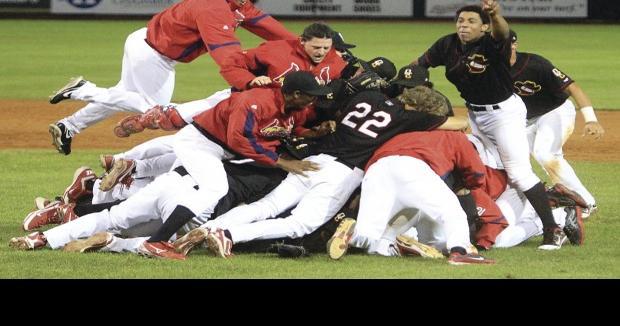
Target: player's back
[[369, 120]]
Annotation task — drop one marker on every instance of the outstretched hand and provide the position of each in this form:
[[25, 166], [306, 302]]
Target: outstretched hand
[[297, 166], [593, 128], [260, 81]]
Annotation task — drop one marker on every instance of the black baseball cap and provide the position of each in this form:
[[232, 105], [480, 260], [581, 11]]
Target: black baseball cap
[[384, 67], [339, 44], [513, 36], [412, 76], [304, 82]]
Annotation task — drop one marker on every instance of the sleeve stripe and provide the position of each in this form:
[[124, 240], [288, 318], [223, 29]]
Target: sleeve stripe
[[213, 47], [249, 135], [256, 19], [190, 49]]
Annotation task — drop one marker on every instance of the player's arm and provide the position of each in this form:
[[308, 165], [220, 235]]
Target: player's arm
[[242, 135], [238, 70], [218, 37], [592, 126], [296, 166], [263, 25], [499, 25], [454, 123]]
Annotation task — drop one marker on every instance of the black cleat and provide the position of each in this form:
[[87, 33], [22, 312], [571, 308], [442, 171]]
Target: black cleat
[[573, 226], [65, 92], [61, 137]]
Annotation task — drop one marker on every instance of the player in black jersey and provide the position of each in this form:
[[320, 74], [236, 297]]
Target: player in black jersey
[[477, 61], [368, 121], [551, 115]]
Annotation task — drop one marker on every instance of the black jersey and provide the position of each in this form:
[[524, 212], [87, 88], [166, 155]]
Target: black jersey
[[369, 120], [539, 83], [480, 70]]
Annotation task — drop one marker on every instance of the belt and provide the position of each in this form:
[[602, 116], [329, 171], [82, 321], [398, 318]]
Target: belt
[[478, 108]]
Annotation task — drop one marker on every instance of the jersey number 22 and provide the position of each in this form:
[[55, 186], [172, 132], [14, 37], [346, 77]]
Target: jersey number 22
[[381, 120]]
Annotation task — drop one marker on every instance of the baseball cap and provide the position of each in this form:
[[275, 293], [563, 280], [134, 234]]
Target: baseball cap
[[339, 44], [411, 76], [384, 67], [513, 36], [304, 82]]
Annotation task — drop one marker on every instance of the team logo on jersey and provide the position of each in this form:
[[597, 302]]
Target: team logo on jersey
[[526, 88], [558, 73], [280, 78], [480, 210], [324, 76], [477, 63], [276, 130]]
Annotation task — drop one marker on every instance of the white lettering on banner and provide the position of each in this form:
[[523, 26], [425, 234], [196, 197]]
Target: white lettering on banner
[[515, 8], [345, 8], [115, 7]]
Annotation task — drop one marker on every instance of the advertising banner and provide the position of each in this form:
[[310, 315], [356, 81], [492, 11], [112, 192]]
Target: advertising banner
[[515, 8], [115, 7], [24, 3], [341, 8]]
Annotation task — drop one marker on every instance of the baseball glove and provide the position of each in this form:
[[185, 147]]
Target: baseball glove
[[297, 147], [559, 196], [367, 80], [288, 251]]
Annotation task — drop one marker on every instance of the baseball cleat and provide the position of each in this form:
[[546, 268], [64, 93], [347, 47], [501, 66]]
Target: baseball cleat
[[61, 137], [94, 243], [408, 246], [338, 245], [32, 241], [65, 92], [553, 239], [41, 202], [219, 244], [107, 161], [121, 172], [591, 209], [190, 240], [78, 188], [41, 217], [457, 258], [162, 249], [573, 226]]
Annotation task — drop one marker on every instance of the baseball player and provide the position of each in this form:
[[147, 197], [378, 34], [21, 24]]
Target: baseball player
[[368, 121], [406, 173], [478, 64], [180, 33], [248, 125], [264, 66], [551, 115]]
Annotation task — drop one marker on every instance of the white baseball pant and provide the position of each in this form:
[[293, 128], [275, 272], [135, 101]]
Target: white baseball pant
[[505, 129], [147, 79], [155, 201], [395, 183], [546, 135], [318, 197]]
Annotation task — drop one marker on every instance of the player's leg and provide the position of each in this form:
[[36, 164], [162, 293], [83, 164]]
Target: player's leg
[[378, 204], [330, 187], [147, 79], [424, 189], [283, 197], [553, 129], [506, 129]]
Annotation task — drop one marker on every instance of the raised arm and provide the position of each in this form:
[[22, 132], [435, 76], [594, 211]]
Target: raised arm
[[499, 25]]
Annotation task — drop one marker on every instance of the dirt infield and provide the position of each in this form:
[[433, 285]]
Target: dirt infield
[[25, 126]]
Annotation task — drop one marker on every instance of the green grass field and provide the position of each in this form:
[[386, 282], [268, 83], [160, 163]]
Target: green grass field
[[38, 56]]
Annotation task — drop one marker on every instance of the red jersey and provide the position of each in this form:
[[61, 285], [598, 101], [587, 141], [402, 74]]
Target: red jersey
[[444, 151], [190, 28], [275, 59], [251, 123]]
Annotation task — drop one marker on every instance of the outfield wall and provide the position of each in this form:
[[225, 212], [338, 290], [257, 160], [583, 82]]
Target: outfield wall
[[608, 10]]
